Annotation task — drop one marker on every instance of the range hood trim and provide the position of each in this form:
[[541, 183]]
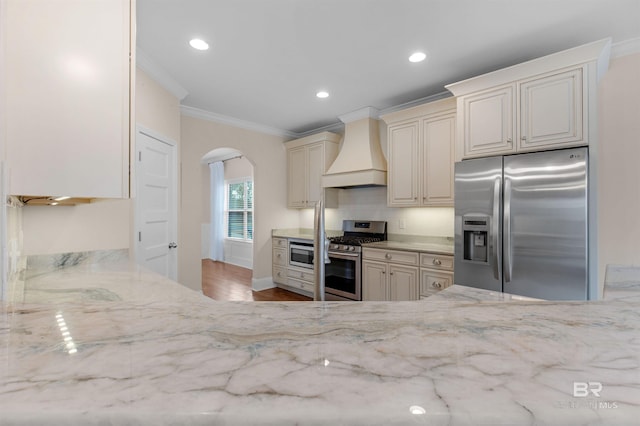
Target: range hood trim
[[360, 178]]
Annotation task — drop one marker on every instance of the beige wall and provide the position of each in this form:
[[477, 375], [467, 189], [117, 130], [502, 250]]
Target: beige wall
[[618, 169], [267, 154], [156, 108]]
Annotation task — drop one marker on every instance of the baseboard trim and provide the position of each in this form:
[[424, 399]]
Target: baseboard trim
[[259, 284]]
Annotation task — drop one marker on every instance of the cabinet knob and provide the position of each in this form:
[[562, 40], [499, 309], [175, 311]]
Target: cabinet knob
[[387, 256], [278, 255], [383, 272], [509, 140], [437, 262], [524, 138], [390, 273], [436, 284]]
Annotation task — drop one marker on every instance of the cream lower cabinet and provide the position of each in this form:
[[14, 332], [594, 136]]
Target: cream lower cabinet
[[307, 160], [299, 280], [436, 273], [385, 280], [421, 155], [67, 78]]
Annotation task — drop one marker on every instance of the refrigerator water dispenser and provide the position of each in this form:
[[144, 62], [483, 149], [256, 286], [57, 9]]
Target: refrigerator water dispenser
[[475, 229]]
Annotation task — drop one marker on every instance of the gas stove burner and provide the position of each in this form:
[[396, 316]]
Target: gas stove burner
[[353, 241]]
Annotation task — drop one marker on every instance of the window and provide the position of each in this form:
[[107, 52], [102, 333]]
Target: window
[[239, 208]]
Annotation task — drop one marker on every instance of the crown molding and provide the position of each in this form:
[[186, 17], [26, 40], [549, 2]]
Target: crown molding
[[625, 47], [366, 112], [235, 122], [159, 75], [417, 102]]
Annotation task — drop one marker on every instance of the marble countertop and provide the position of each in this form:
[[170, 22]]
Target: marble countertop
[[436, 245], [435, 248], [301, 233], [154, 352]]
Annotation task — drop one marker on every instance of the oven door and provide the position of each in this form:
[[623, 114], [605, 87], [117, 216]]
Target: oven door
[[342, 277]]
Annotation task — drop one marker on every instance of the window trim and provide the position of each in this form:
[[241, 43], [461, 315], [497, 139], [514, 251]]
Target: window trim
[[245, 210]]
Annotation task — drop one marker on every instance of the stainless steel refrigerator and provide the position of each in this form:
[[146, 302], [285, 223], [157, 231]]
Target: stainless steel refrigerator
[[521, 224]]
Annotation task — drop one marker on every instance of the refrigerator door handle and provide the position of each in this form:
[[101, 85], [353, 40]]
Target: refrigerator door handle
[[507, 230], [495, 230]]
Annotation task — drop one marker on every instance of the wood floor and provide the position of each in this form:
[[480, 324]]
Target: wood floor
[[222, 281]]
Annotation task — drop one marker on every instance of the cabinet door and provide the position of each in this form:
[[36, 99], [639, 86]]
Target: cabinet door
[[551, 111], [297, 163], [403, 172], [315, 161], [438, 143], [374, 281], [403, 282], [67, 97], [489, 122]]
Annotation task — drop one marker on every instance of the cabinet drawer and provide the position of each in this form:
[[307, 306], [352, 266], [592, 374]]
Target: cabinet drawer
[[300, 274], [279, 242], [279, 275], [279, 256], [300, 285], [436, 261], [392, 256], [433, 281]]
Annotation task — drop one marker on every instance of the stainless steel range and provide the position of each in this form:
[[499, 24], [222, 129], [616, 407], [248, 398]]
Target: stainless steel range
[[343, 274]]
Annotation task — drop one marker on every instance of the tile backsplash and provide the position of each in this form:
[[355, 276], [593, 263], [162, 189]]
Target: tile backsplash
[[371, 204]]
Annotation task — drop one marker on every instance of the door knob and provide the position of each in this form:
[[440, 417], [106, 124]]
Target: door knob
[[173, 245]]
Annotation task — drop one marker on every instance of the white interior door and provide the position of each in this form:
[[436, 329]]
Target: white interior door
[[156, 207]]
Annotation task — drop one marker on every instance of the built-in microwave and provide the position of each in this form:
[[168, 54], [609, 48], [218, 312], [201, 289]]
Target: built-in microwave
[[301, 253]]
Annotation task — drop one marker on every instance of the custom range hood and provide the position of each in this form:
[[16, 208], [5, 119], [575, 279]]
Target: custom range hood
[[360, 161]]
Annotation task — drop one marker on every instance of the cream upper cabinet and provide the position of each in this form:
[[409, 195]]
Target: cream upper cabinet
[[297, 179], [67, 77], [438, 159], [489, 122], [546, 103], [403, 164], [551, 111], [307, 160], [421, 155]]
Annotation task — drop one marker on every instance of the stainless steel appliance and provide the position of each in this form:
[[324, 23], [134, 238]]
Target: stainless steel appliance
[[301, 253], [521, 224], [343, 272]]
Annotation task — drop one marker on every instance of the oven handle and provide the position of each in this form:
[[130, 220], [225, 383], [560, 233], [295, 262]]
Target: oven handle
[[339, 254]]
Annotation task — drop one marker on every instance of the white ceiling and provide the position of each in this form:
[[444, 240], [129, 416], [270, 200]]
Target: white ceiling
[[268, 58]]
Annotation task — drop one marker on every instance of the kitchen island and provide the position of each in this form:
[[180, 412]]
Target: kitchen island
[[110, 343]]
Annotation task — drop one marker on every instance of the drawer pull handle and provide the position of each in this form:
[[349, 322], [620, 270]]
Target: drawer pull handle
[[387, 256], [436, 284], [437, 262]]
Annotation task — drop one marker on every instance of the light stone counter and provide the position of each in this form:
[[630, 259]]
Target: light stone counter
[[435, 248], [155, 354], [300, 233]]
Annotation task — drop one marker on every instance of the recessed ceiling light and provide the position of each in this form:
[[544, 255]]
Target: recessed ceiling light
[[322, 94], [198, 44], [417, 57]]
